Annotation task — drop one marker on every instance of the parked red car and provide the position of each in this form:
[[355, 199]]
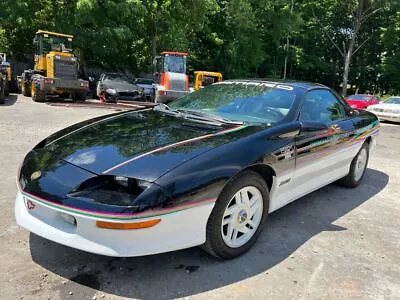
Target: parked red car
[[362, 101]]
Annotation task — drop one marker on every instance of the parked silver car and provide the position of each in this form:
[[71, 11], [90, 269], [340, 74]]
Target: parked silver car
[[112, 87]]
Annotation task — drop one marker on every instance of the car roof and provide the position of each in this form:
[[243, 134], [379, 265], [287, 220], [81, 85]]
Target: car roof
[[293, 83]]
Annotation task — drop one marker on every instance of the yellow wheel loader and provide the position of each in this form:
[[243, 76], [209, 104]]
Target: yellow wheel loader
[[55, 71], [204, 78]]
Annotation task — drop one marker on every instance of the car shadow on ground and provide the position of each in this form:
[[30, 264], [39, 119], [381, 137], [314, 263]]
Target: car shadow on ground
[[188, 272], [10, 100]]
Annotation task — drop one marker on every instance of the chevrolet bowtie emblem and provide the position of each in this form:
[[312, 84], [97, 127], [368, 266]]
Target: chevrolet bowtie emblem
[[30, 205], [36, 175]]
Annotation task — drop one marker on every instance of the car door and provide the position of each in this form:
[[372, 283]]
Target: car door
[[322, 154]]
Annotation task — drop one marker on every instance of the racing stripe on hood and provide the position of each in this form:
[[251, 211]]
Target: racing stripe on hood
[[184, 142]]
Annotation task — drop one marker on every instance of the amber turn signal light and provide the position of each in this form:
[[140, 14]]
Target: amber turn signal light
[[136, 225]]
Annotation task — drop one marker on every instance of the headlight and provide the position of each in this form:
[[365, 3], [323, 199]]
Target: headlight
[[111, 91], [124, 181], [143, 184], [129, 182]]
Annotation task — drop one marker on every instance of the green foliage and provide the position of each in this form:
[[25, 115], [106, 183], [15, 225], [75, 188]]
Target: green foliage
[[240, 38], [3, 41]]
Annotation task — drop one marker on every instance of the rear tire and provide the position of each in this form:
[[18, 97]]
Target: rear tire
[[238, 216], [357, 168], [26, 90], [6, 89], [2, 95]]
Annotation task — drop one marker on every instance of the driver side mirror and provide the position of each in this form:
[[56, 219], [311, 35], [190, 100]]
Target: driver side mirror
[[354, 112]]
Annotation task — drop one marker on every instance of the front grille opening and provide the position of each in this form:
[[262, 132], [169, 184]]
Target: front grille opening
[[66, 69]]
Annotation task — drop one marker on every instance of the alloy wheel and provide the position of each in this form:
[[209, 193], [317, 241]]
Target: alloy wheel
[[242, 216]]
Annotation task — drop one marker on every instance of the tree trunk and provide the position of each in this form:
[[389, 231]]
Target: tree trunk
[[154, 49], [287, 46], [286, 58], [347, 61], [346, 73]]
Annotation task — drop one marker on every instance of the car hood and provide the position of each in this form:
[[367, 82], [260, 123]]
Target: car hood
[[386, 106], [142, 145], [145, 86]]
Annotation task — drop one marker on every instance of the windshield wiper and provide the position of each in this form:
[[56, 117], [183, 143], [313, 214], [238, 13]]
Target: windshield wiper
[[209, 116], [195, 115], [167, 110]]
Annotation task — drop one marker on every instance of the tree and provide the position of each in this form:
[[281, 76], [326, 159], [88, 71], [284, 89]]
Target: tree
[[359, 15]]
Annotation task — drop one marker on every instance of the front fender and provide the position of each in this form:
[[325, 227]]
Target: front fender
[[205, 176]]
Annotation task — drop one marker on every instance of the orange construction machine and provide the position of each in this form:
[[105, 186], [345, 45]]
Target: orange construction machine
[[171, 76]]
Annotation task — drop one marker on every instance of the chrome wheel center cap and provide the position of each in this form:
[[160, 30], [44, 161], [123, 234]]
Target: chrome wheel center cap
[[242, 216]]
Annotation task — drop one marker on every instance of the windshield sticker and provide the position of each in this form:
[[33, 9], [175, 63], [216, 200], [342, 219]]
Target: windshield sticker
[[260, 84]]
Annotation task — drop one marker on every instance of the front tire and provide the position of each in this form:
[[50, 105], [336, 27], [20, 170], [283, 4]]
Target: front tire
[[36, 93], [357, 168], [238, 216]]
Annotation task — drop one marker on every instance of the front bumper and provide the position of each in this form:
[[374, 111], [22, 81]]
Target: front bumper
[[177, 230], [64, 85]]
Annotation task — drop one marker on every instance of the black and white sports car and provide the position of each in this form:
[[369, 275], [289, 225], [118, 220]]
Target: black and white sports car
[[205, 170]]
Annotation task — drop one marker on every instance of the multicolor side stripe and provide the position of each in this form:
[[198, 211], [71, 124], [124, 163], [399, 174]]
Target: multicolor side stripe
[[339, 142], [114, 216], [229, 130]]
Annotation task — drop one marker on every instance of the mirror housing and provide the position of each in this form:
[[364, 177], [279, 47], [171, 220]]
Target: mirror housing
[[354, 112], [311, 126], [286, 131]]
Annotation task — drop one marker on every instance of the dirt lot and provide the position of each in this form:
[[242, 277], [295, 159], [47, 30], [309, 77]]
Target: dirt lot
[[335, 243]]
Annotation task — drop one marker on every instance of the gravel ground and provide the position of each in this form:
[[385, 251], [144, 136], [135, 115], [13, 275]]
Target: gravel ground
[[335, 243]]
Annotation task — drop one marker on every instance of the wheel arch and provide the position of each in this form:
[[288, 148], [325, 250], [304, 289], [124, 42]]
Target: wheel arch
[[265, 171]]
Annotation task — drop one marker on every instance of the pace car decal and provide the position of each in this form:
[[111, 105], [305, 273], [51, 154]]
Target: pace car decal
[[333, 141], [229, 130]]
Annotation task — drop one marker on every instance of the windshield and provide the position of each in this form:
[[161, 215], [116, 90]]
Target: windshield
[[241, 101], [54, 43], [118, 77], [393, 100], [175, 63], [144, 81], [360, 97]]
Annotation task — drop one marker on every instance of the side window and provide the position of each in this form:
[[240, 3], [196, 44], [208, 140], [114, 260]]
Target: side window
[[321, 106]]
